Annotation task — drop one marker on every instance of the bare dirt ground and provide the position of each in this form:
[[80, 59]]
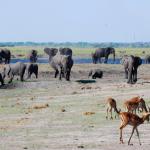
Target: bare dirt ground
[[48, 114]]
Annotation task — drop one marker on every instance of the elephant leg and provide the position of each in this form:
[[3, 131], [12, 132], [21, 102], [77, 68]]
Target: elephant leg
[[36, 74], [126, 74], [100, 60], [21, 77], [93, 77], [1, 80], [56, 73], [135, 75], [11, 78], [68, 75], [60, 73], [63, 73], [22, 74], [106, 59], [130, 77], [29, 75]]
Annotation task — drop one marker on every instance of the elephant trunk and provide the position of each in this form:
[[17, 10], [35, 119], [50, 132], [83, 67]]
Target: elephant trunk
[[114, 55]]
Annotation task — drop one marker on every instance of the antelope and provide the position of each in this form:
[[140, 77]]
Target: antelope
[[111, 104], [132, 104], [134, 120]]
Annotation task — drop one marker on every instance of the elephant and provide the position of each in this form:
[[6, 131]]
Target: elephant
[[6, 55], [131, 64], [62, 64], [96, 73], [147, 59], [32, 56], [32, 68], [17, 69], [65, 51], [102, 52]]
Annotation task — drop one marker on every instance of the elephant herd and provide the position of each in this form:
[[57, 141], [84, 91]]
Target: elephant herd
[[59, 59], [62, 62]]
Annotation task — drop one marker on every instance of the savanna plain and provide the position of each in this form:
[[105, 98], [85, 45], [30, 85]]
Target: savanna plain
[[48, 114]]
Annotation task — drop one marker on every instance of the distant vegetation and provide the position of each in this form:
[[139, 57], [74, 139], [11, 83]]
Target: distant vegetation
[[80, 49], [78, 44]]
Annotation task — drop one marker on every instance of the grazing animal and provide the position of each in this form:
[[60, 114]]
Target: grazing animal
[[17, 69], [134, 120], [6, 55], [132, 104], [33, 56], [97, 73], [111, 104], [131, 64], [32, 68], [102, 52], [62, 64]]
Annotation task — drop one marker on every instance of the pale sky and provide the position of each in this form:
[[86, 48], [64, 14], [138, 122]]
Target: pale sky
[[75, 20]]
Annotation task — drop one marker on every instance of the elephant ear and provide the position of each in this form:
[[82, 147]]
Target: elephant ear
[[47, 50], [138, 61], [51, 51]]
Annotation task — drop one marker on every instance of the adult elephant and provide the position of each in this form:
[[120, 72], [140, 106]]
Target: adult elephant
[[65, 51], [102, 52], [131, 64], [32, 56], [6, 55], [147, 59], [62, 64]]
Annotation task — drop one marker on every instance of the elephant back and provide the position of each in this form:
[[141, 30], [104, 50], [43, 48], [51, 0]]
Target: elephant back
[[100, 52]]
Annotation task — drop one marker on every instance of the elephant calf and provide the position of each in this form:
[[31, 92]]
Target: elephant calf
[[17, 69], [96, 73], [32, 68]]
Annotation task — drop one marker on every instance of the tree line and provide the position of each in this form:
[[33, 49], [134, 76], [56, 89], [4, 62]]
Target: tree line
[[78, 44]]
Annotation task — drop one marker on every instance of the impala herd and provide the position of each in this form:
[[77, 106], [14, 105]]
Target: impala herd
[[129, 117]]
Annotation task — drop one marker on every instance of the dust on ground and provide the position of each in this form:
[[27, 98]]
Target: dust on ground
[[48, 114]]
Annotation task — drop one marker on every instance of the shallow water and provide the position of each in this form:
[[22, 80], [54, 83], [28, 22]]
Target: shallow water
[[76, 60]]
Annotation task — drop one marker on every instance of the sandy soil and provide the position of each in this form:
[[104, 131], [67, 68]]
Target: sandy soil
[[48, 114]]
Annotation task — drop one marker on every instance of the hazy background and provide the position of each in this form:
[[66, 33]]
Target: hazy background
[[75, 20]]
